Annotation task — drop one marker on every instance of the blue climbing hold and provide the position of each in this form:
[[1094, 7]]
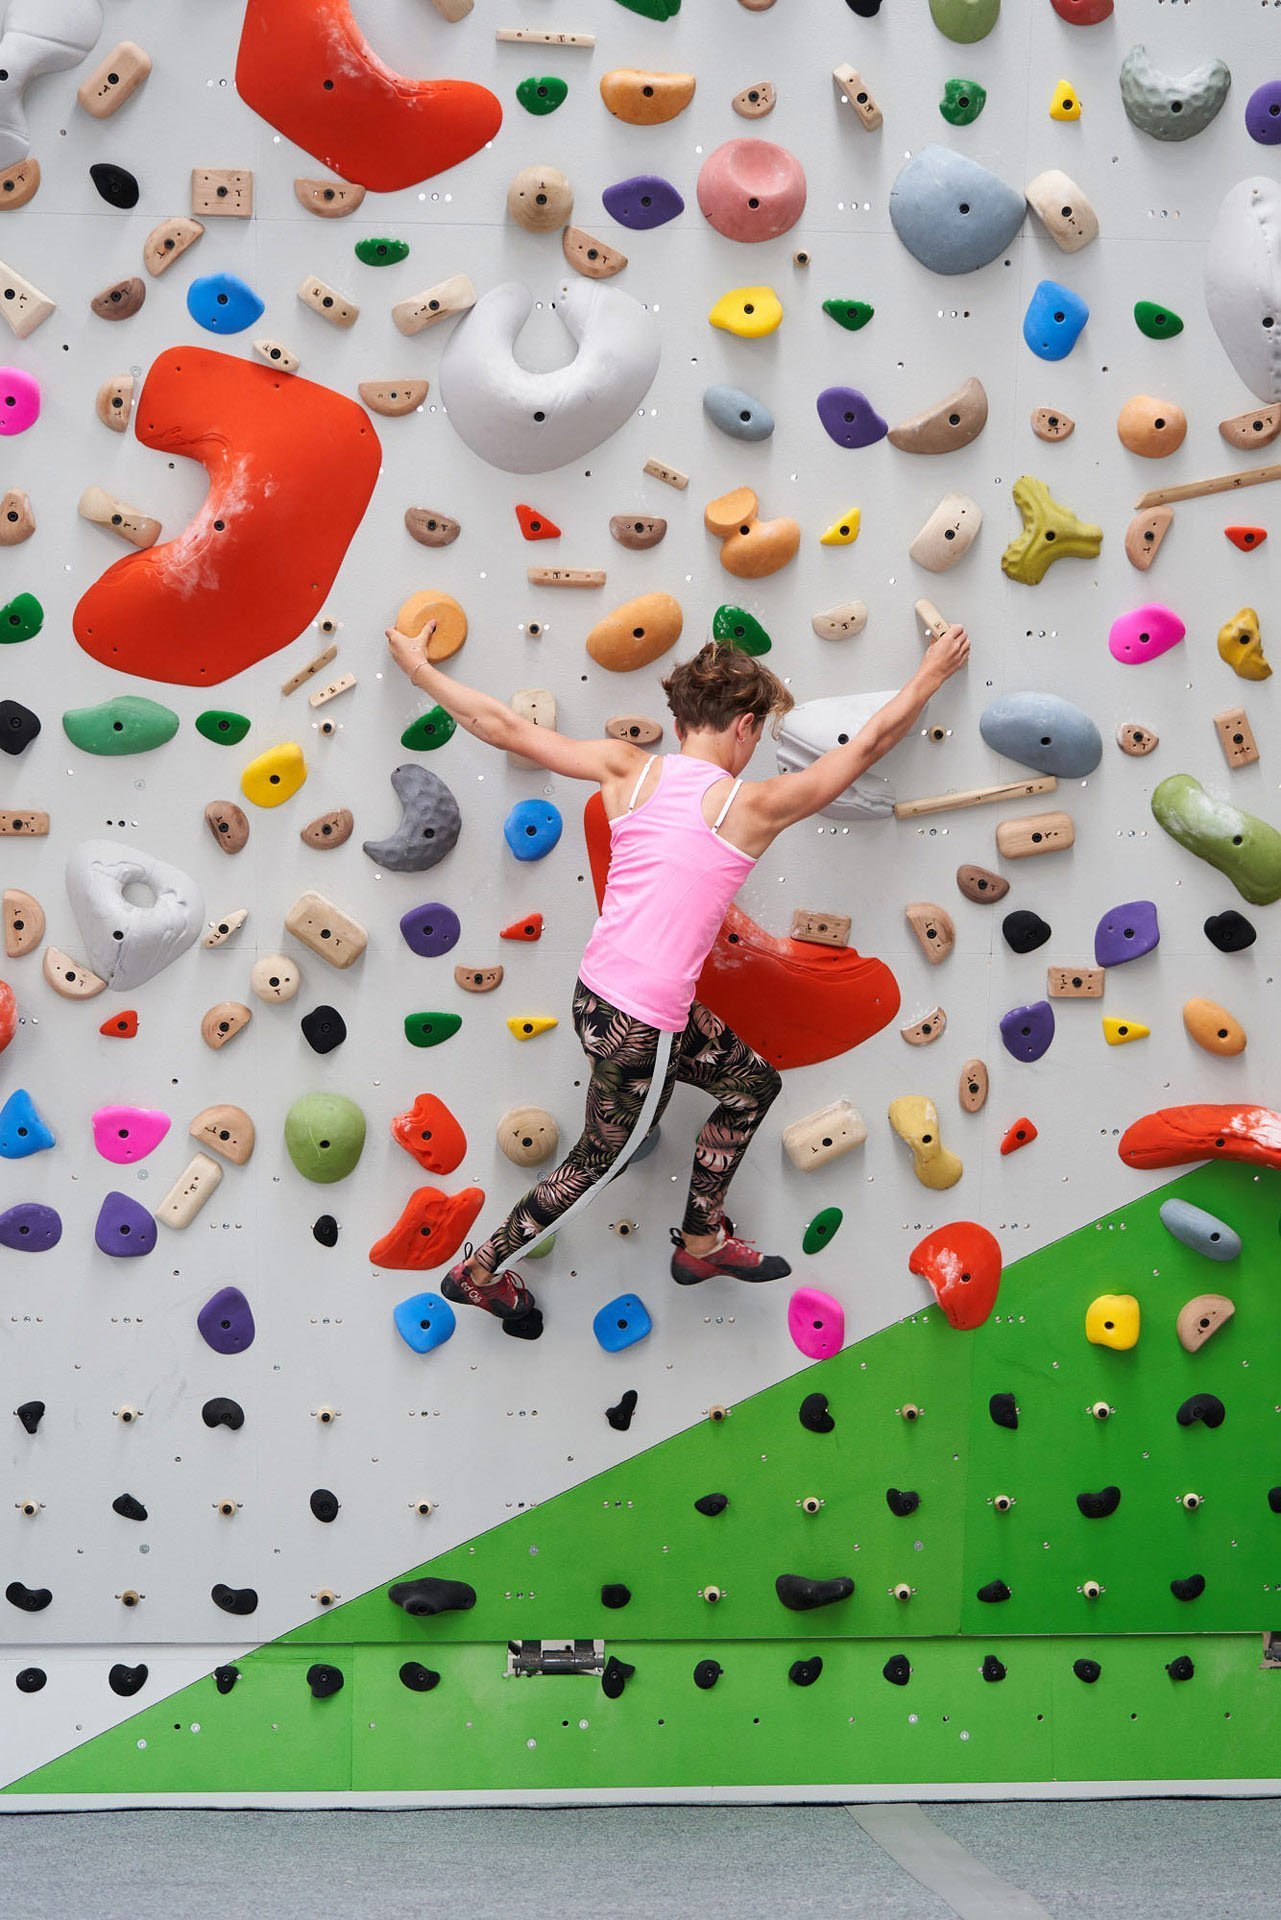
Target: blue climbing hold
[[124, 1229], [622, 1322], [644, 201], [424, 1321], [1053, 321], [1200, 1230], [223, 303], [1042, 731], [737, 414], [532, 829], [22, 1131], [952, 214]]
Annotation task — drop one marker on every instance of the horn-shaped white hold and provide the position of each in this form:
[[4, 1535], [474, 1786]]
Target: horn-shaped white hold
[[40, 36], [815, 727], [1243, 283], [526, 422], [129, 941]]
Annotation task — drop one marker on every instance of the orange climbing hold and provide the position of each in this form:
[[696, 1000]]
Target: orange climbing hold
[[1172, 1136], [307, 68], [795, 1002], [429, 1231], [535, 525], [1247, 538], [254, 568], [430, 1132], [121, 1026], [962, 1262], [8, 1014], [1021, 1134], [530, 928]]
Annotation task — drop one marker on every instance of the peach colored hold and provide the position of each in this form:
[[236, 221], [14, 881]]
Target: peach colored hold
[[1151, 427], [751, 189]]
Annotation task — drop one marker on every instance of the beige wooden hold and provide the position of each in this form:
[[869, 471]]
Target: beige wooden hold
[[331, 305], [670, 476], [975, 797], [227, 1131], [68, 979], [972, 1090], [1236, 737], [422, 310], [857, 94], [565, 576], [1063, 210], [327, 830], [326, 929], [30, 824], [819, 928], [431, 529], [167, 242], [540, 199], [114, 403], [1213, 1027], [1074, 983], [845, 622], [528, 1136], [331, 690], [222, 193], [921, 1033], [274, 978], [221, 930], [634, 728], [1051, 423], [393, 398], [193, 1187], [277, 355], [17, 521], [1201, 1319], [330, 199], [453, 9], [114, 80], [223, 1022], [19, 183], [637, 532], [1136, 740], [121, 300], [1217, 483], [1258, 428], [228, 823], [1144, 535], [589, 256], [753, 103], [981, 885], [952, 423], [1038, 833], [23, 306], [934, 929], [948, 534], [541, 37], [538, 706], [478, 979], [313, 667], [23, 922], [824, 1136], [139, 529]]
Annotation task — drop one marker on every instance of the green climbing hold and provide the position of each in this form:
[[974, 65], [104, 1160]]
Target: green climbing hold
[[653, 9], [541, 1251], [740, 630], [382, 253], [965, 20], [129, 723], [822, 1229], [963, 101], [429, 731], [20, 619], [223, 728], [1239, 844], [325, 1135], [429, 1029], [850, 314], [542, 94], [1159, 323]]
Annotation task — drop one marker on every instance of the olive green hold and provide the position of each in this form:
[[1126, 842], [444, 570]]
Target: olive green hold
[[129, 723], [429, 1029], [325, 1135], [224, 729], [1239, 844], [965, 20], [429, 731], [542, 94], [382, 253], [822, 1229], [850, 314], [20, 619], [740, 630], [963, 101], [1158, 323], [541, 1251]]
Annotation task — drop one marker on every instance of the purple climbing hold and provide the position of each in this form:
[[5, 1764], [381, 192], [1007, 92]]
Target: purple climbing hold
[[124, 1229], [849, 417], [644, 201], [226, 1321], [1263, 114], [1028, 1031], [430, 930], [29, 1227], [1126, 933]]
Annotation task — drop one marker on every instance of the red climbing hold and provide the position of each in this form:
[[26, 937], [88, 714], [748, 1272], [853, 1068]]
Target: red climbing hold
[[535, 525], [430, 1230], [1247, 538], [795, 1002], [1083, 13], [8, 1014], [530, 928], [962, 1262], [307, 68], [121, 1026], [1021, 1134], [430, 1132], [255, 566], [1172, 1136]]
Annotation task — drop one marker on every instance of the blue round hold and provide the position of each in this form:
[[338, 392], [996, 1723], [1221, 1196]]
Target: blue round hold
[[532, 829], [223, 303]]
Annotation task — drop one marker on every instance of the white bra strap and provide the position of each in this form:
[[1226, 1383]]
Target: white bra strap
[[729, 801], [649, 761]]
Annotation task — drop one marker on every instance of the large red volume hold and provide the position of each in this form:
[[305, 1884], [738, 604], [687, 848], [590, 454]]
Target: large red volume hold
[[1172, 1136], [962, 1262], [796, 1003], [430, 1132], [291, 469], [430, 1230], [8, 1014], [307, 68]]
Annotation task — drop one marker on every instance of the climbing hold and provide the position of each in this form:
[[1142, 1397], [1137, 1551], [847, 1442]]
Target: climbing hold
[[1246, 538], [121, 300], [324, 1136], [963, 101], [1258, 428], [981, 885], [534, 526], [749, 312], [1083, 13], [1205, 1409], [228, 824], [962, 1262], [528, 1026], [973, 1086], [841, 533], [324, 1231], [1044, 732], [849, 418], [814, 1415], [750, 547], [736, 628], [429, 1131], [429, 824], [1263, 114], [646, 99], [1075, 983], [1025, 931], [965, 20], [1244, 848], [933, 927], [1135, 740], [127, 1134], [1027, 1031], [429, 731], [822, 1229], [430, 1029], [1144, 635], [274, 979], [621, 1323], [274, 776], [226, 1323], [1170, 107], [1021, 1134], [431, 1228], [22, 1131], [948, 534], [1003, 1410], [1172, 1136], [128, 942], [540, 199], [816, 1323], [1230, 932], [223, 303], [1152, 428], [1242, 283], [1126, 933], [1236, 737], [1119, 1033], [850, 314], [753, 103], [824, 1136], [224, 1130], [922, 1032], [532, 829], [478, 979], [18, 727], [430, 930], [30, 1227], [803, 1595], [67, 979], [1190, 1589], [1213, 1027], [1054, 320], [225, 729], [1103, 1504], [815, 727], [1241, 645], [394, 399], [124, 1230], [952, 214], [528, 1136], [431, 529], [953, 422], [332, 829], [542, 95], [1063, 209], [20, 619], [1157, 322], [1113, 1321], [916, 1122], [381, 253], [116, 185], [1051, 423], [1065, 102], [1201, 1317], [620, 1417], [1050, 532], [803, 1673], [737, 414], [840, 623], [640, 203], [128, 723], [198, 1180], [19, 401], [751, 189], [638, 631], [1202, 1231], [222, 1023]]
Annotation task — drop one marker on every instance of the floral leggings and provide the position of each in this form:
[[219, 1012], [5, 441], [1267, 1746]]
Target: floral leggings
[[623, 1051]]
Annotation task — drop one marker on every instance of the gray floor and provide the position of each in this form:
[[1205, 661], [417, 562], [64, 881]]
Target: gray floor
[[1141, 1859]]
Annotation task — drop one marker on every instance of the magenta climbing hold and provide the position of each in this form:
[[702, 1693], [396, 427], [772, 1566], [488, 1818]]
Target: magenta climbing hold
[[126, 1134], [849, 417], [226, 1321], [751, 189], [816, 1323], [124, 1229], [1145, 634], [19, 401]]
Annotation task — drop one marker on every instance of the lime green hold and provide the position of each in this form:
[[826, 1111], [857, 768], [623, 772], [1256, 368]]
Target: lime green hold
[[542, 95], [963, 101], [735, 628], [382, 253], [429, 1029], [325, 1136], [1158, 323], [429, 731], [129, 723], [822, 1229], [224, 729], [20, 619], [541, 1251], [850, 314], [965, 20], [1239, 844]]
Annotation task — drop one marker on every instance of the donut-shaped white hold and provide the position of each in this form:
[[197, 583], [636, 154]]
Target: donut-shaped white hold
[[815, 727], [1243, 283], [128, 939], [40, 36]]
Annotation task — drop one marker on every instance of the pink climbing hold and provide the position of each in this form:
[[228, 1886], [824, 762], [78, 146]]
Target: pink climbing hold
[[126, 1134], [751, 189], [816, 1323], [19, 401], [1145, 634]]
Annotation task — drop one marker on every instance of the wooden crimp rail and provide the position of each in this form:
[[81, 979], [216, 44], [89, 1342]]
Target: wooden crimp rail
[[538, 37], [932, 623], [975, 797], [299, 679], [823, 929], [565, 576], [670, 476], [1218, 483]]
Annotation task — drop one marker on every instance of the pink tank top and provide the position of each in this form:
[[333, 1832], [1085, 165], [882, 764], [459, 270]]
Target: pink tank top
[[671, 877]]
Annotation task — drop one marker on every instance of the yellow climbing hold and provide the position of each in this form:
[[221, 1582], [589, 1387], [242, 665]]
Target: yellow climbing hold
[[1119, 1033], [842, 532], [1050, 532], [1113, 1321], [1241, 645], [916, 1122], [750, 312], [1066, 102], [274, 775], [525, 1026]]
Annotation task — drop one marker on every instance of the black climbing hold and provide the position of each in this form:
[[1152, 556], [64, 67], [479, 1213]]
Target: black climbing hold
[[325, 1230], [1205, 1407], [323, 1029], [1087, 1670], [324, 1680], [433, 1596], [116, 184], [712, 1503], [31, 1413], [30, 1680], [418, 1678], [128, 1508], [707, 1673], [865, 9], [18, 726], [223, 1413], [324, 1504], [1003, 1410], [1025, 931], [233, 1599], [225, 1678], [897, 1669], [1097, 1506], [525, 1326], [126, 1680], [28, 1599], [615, 1594], [1190, 1589], [1230, 932], [992, 1668], [813, 1414], [615, 1677], [994, 1591], [802, 1595], [1180, 1668], [902, 1501], [620, 1417], [803, 1673], [1274, 1499]]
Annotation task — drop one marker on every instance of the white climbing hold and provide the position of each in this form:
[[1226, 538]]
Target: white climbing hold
[[129, 941]]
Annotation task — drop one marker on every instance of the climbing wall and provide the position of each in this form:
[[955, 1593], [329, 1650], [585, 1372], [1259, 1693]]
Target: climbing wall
[[360, 1463]]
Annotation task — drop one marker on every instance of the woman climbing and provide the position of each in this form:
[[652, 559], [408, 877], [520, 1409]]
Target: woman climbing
[[685, 831]]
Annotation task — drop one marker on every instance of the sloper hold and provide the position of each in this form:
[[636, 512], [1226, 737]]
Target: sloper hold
[[952, 214], [22, 1131], [124, 1230], [324, 1135], [1126, 933], [952, 423], [430, 1230], [1144, 634], [429, 824], [1243, 283], [813, 728], [849, 418], [640, 203], [424, 1322], [965, 21], [802, 1595], [1042, 731], [226, 1324], [1204, 1232], [39, 38], [1240, 845], [1028, 1031], [1171, 106], [816, 1323], [962, 1262], [751, 190], [1113, 1320], [915, 1120], [1173, 1136], [129, 723], [1055, 318], [127, 943], [737, 413], [266, 541]]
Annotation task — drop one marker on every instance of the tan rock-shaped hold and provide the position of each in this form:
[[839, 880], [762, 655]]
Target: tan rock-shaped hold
[[1200, 1319], [451, 621], [274, 978], [194, 1185], [915, 1120], [540, 199], [228, 823], [973, 1085], [1258, 428], [751, 548], [168, 242], [1136, 740], [840, 623], [332, 829], [953, 423], [121, 300], [636, 632], [223, 1022], [66, 978], [635, 728], [1144, 535], [1150, 427], [23, 922], [114, 403], [981, 885], [1051, 423], [637, 531], [753, 103], [528, 1136], [922, 1033], [17, 521], [589, 256], [225, 1130], [1063, 210], [331, 199], [478, 979], [1213, 1027], [392, 398], [934, 928], [646, 99], [429, 528], [948, 534], [19, 183]]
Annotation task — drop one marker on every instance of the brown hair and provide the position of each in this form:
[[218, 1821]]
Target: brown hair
[[718, 684]]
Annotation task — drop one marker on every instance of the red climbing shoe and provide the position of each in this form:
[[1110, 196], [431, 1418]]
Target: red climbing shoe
[[507, 1297], [732, 1257]]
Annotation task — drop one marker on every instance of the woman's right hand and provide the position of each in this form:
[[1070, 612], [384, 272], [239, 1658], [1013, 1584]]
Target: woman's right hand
[[410, 653], [948, 654]]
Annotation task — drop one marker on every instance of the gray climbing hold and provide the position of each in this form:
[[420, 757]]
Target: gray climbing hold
[[1170, 106], [815, 727], [952, 214], [1200, 1230], [737, 414], [126, 941], [1243, 283], [429, 823], [1040, 730]]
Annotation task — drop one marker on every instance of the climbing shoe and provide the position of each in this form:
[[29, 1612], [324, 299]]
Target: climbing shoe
[[732, 1258], [507, 1297]]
